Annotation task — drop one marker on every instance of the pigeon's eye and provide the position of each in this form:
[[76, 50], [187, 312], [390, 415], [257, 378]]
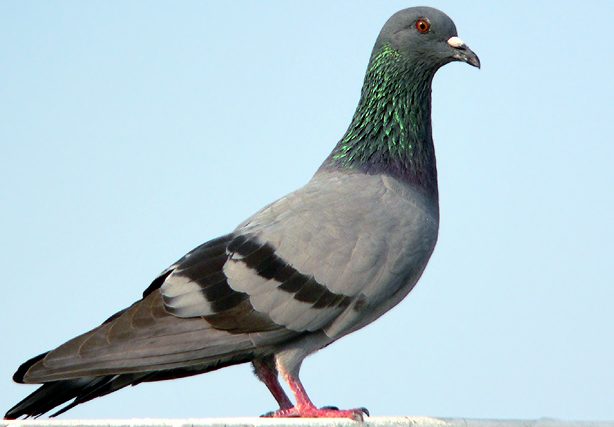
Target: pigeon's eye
[[423, 26]]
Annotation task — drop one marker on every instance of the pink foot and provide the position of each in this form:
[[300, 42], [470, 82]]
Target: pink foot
[[307, 411]]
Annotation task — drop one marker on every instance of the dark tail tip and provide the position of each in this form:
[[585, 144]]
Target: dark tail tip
[[42, 400], [55, 393]]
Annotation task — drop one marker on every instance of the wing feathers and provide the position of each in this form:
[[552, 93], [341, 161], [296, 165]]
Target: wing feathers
[[124, 345]]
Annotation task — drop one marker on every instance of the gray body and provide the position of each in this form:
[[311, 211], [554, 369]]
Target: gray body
[[367, 237]]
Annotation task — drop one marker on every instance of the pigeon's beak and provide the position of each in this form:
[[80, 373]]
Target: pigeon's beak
[[463, 53]]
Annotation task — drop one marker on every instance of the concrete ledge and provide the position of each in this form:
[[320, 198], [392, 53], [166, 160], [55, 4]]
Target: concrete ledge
[[307, 422]]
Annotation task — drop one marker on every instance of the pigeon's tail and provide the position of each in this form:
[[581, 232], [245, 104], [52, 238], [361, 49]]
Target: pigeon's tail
[[55, 393]]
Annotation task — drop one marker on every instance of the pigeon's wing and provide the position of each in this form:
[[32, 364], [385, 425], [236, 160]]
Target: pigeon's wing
[[148, 337], [328, 256]]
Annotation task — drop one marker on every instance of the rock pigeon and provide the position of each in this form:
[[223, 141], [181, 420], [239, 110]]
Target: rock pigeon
[[304, 271]]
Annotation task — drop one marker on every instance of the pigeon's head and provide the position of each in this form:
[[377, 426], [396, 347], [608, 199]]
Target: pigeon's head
[[424, 37]]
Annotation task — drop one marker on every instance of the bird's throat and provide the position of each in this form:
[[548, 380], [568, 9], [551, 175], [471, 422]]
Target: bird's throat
[[390, 132]]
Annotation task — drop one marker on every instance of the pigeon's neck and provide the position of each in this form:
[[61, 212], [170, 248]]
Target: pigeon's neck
[[390, 132]]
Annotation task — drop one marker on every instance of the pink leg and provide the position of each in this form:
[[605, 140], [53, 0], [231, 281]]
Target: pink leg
[[267, 373], [306, 409]]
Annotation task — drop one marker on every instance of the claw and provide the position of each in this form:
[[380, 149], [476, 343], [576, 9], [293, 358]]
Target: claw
[[357, 416]]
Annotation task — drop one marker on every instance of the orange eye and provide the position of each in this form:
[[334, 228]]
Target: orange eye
[[423, 26]]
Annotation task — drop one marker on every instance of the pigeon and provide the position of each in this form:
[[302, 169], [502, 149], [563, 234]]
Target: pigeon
[[306, 270]]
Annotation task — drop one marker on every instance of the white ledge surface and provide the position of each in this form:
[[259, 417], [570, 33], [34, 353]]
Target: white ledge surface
[[307, 422]]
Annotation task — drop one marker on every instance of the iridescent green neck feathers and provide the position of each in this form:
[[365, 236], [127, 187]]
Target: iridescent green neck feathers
[[390, 132]]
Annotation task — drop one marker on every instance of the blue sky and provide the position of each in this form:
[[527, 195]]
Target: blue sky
[[131, 132]]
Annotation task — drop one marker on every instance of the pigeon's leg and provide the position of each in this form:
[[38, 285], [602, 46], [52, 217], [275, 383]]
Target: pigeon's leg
[[306, 409], [265, 370]]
